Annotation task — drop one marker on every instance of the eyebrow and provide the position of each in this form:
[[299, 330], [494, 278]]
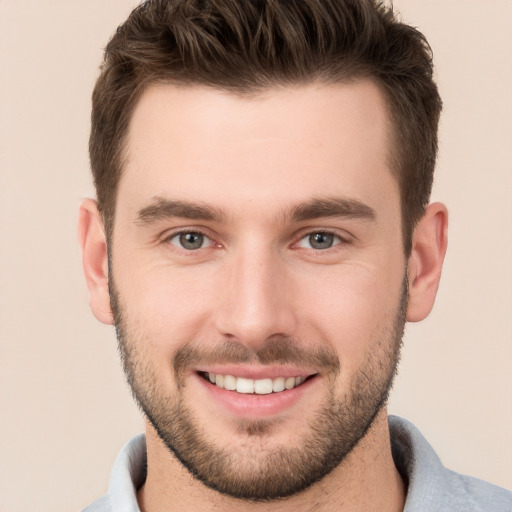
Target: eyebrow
[[332, 207], [162, 208]]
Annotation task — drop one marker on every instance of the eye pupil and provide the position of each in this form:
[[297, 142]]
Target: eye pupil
[[321, 240], [191, 240]]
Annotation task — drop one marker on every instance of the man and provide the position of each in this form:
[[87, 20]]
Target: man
[[261, 235]]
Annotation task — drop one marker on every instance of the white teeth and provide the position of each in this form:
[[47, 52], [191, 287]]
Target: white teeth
[[244, 385], [263, 386], [258, 386], [278, 384], [229, 382], [289, 383]]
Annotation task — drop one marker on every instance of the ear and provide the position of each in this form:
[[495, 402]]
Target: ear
[[426, 261], [93, 242]]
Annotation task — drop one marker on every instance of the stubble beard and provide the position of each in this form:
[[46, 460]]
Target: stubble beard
[[255, 473]]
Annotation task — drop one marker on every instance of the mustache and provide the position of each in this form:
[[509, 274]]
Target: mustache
[[276, 350]]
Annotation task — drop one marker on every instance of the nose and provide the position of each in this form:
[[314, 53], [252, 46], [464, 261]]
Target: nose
[[256, 302]]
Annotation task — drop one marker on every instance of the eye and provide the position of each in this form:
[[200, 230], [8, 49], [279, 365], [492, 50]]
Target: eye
[[190, 240], [319, 240]]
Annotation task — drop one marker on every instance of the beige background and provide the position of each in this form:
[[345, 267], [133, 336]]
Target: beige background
[[65, 410]]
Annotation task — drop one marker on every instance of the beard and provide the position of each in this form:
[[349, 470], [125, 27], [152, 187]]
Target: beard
[[251, 470]]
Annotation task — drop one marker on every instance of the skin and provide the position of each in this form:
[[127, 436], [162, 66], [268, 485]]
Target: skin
[[253, 161]]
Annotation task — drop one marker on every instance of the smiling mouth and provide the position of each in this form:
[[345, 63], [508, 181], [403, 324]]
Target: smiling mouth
[[254, 386]]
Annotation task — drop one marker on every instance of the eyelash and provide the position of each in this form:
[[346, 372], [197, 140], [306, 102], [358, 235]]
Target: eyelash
[[190, 232], [338, 239]]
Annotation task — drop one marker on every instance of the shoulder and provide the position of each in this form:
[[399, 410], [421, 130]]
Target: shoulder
[[128, 474], [101, 505], [433, 487], [468, 493]]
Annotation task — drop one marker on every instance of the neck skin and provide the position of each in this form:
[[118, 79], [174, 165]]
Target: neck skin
[[366, 480]]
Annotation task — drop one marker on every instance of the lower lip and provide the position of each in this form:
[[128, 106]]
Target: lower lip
[[246, 405]]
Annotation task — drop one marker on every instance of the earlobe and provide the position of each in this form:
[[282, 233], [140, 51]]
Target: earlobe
[[95, 259], [426, 261]]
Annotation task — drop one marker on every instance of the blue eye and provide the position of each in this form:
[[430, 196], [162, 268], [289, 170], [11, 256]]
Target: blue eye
[[319, 240], [190, 240]]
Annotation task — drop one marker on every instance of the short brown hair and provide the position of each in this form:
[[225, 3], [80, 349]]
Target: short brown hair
[[245, 46]]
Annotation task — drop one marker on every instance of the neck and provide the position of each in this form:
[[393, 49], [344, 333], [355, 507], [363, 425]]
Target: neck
[[367, 479]]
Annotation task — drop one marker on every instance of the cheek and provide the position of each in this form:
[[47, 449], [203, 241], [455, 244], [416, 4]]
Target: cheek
[[353, 311], [168, 306]]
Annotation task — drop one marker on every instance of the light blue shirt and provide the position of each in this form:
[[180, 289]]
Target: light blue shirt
[[430, 486]]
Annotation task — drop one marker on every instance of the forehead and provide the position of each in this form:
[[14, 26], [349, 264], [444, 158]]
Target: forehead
[[285, 144]]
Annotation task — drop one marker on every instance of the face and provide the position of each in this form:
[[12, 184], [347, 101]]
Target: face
[[257, 278]]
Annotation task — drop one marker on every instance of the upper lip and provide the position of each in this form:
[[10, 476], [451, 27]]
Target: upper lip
[[256, 372]]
